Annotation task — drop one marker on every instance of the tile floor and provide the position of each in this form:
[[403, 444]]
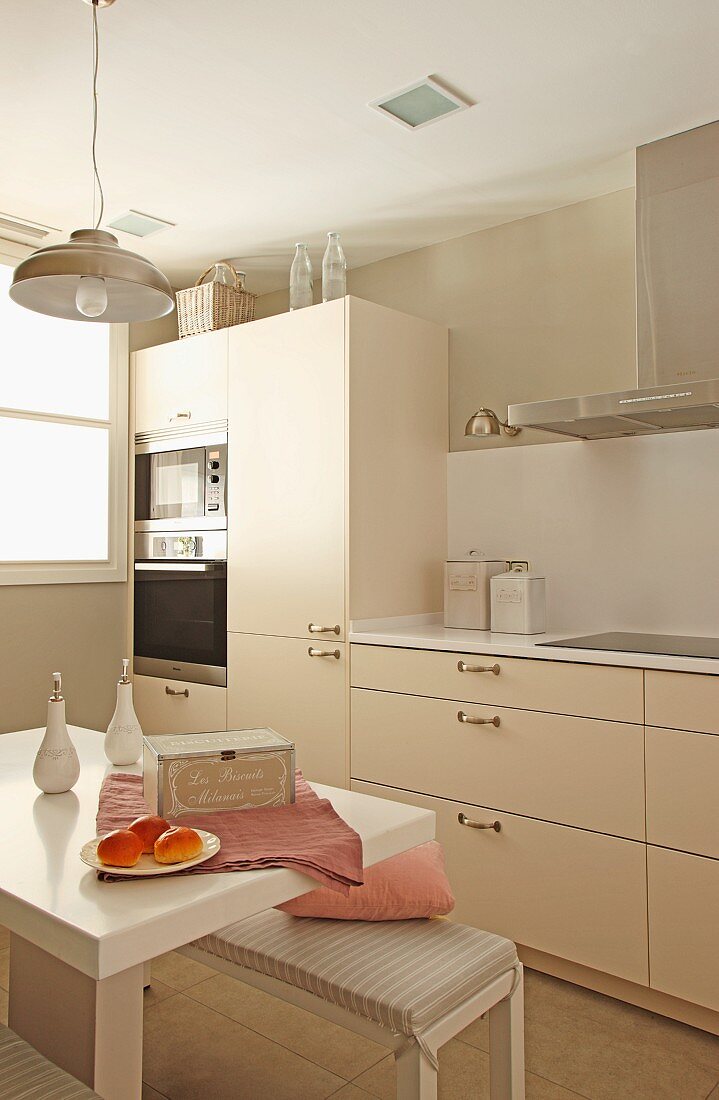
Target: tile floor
[[208, 1037]]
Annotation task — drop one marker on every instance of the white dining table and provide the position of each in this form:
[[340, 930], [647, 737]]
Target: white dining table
[[79, 947]]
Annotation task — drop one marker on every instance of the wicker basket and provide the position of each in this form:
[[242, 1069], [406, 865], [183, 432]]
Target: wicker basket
[[208, 306]]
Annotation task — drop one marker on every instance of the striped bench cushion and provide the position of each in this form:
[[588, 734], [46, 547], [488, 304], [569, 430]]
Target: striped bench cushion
[[26, 1075], [401, 974]]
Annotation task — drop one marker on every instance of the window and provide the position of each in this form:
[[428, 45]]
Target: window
[[63, 446]]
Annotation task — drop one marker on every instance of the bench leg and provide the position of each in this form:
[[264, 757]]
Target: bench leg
[[506, 1046], [416, 1076]]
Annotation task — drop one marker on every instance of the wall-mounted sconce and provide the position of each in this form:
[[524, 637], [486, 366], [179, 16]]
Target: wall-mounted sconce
[[486, 422]]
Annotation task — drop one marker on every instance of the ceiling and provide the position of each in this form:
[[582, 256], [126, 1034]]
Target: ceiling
[[246, 123]]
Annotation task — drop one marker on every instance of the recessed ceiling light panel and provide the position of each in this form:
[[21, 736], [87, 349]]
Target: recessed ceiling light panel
[[420, 104], [139, 225], [20, 228]]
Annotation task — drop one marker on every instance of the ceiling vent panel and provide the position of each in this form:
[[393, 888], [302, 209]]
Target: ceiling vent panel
[[16, 227], [139, 225]]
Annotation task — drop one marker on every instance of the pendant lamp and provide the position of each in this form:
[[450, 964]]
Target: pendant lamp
[[90, 278]]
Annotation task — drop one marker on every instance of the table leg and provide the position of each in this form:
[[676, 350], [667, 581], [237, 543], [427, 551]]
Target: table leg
[[92, 1029]]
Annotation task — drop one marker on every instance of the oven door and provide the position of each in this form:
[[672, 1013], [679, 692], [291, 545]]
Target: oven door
[[181, 620]]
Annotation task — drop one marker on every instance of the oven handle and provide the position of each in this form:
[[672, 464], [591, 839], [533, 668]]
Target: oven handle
[[175, 565]]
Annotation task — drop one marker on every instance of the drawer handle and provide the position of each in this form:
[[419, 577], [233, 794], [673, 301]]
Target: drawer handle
[[324, 653], [464, 820], [181, 416], [173, 691], [494, 669], [314, 629], [471, 721]]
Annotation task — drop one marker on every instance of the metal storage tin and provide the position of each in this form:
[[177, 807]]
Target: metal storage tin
[[191, 773]]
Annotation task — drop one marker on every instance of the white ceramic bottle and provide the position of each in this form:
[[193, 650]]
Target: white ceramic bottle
[[57, 767], [123, 740]]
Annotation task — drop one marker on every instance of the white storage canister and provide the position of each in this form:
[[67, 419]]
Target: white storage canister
[[466, 592], [518, 603]]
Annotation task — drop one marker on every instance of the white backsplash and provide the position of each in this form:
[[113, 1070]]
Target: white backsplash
[[625, 530]]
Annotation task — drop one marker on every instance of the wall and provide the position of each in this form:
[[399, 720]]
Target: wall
[[625, 530], [537, 308], [76, 628]]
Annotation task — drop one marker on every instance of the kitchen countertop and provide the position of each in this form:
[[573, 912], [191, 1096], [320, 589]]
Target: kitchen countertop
[[428, 632]]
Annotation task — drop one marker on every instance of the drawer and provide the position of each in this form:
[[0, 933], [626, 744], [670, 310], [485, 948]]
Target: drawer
[[592, 772], [198, 708], [683, 910], [593, 691], [682, 784], [682, 701], [574, 894], [274, 682]]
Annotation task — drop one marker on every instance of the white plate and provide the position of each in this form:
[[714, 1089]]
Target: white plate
[[147, 864]]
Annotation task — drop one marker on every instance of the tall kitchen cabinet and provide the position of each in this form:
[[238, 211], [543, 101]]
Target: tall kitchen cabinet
[[337, 504]]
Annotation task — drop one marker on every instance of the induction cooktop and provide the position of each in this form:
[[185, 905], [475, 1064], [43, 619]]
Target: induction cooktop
[[674, 645]]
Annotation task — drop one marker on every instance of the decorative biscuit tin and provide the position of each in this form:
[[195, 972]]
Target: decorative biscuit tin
[[190, 773]]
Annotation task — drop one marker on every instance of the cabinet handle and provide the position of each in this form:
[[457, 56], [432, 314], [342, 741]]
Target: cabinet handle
[[462, 717], [181, 416], [494, 669], [173, 691], [324, 653], [464, 820], [315, 629]]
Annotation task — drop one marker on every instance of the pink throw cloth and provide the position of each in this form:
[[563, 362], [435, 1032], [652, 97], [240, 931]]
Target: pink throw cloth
[[308, 836]]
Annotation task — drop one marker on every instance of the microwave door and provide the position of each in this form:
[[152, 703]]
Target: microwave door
[[177, 484]]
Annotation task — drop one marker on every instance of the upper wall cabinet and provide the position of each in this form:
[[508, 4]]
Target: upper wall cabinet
[[183, 383], [337, 469]]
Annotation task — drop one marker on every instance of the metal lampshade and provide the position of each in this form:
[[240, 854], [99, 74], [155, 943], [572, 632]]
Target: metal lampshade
[[486, 422], [47, 281]]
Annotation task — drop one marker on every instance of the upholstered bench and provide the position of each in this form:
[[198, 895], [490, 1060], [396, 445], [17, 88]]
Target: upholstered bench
[[26, 1075], [410, 985]]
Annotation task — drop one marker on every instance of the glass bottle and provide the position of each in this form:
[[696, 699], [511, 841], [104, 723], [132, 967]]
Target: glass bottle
[[334, 270], [223, 272], [57, 767], [301, 279], [123, 740]]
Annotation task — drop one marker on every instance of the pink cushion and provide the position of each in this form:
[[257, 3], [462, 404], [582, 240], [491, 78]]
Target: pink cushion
[[412, 884]]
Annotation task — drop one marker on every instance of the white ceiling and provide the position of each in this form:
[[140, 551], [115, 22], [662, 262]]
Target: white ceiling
[[246, 121]]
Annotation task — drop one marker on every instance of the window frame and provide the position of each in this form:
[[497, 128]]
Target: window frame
[[114, 567]]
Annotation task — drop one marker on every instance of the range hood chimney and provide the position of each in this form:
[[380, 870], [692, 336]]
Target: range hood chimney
[[677, 249]]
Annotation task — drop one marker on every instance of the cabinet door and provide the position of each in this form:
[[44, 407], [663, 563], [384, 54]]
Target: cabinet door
[[682, 773], [683, 912], [183, 383], [275, 682], [174, 706], [574, 894], [286, 474]]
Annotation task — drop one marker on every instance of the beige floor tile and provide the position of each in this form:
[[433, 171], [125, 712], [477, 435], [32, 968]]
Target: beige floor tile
[[350, 1092], [179, 972], [335, 1048], [3, 1006], [714, 1094], [192, 1052], [157, 992], [463, 1074], [4, 936]]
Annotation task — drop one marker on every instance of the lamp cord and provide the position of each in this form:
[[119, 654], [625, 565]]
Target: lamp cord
[[95, 65]]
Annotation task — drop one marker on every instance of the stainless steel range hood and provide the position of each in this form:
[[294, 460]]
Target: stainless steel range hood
[[677, 248]]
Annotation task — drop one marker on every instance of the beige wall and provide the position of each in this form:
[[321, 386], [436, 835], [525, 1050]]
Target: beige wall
[[537, 308], [146, 334], [78, 629]]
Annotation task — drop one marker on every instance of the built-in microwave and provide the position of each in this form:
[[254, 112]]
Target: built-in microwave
[[181, 482]]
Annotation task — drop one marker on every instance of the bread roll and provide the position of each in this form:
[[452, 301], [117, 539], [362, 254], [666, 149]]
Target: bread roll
[[120, 848], [177, 845], [149, 828]]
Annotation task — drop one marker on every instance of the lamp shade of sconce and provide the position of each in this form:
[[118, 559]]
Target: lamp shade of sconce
[[486, 422]]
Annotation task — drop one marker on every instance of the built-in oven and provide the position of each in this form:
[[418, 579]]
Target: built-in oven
[[181, 605], [181, 481]]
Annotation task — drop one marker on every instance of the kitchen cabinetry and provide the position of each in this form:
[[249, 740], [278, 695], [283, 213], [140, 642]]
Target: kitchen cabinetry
[[174, 706], [182, 383], [337, 506], [276, 682]]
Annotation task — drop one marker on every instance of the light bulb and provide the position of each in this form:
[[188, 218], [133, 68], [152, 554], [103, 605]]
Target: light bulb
[[91, 296]]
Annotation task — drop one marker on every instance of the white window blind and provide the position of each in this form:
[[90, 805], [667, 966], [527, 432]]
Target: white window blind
[[63, 447]]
